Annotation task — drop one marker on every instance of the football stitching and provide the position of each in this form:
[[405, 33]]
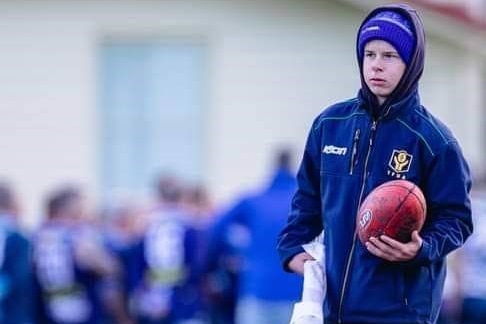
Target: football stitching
[[423, 203], [397, 209]]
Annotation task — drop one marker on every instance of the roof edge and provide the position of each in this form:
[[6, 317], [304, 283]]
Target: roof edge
[[441, 23]]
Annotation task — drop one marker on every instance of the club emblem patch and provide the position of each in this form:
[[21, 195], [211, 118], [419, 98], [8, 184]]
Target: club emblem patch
[[400, 161]]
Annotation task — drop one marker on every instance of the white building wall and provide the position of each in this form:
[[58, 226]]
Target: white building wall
[[452, 89], [274, 66]]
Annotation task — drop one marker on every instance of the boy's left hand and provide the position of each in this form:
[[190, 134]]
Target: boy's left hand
[[392, 250]]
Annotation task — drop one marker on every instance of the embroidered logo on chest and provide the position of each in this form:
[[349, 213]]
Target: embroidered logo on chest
[[399, 164], [336, 150]]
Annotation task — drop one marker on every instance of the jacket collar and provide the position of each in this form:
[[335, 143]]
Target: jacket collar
[[388, 111]]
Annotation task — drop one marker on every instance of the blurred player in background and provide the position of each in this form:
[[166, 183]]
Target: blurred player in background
[[353, 146], [265, 292], [163, 292], [70, 262], [16, 298], [124, 220], [201, 212], [471, 263], [465, 291]]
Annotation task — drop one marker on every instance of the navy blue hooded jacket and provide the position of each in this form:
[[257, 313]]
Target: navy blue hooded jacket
[[351, 149]]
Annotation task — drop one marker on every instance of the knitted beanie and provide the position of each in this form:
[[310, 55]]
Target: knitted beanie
[[392, 27]]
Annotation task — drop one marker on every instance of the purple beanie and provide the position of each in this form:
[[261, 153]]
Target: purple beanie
[[392, 27]]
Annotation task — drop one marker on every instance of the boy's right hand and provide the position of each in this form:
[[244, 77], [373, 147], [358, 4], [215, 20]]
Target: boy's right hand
[[296, 264]]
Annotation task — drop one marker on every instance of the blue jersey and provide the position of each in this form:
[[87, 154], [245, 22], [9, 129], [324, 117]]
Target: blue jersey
[[15, 275], [66, 293], [161, 267], [473, 254]]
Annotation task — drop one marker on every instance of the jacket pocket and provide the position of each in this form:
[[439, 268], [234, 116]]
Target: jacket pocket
[[402, 288], [417, 290], [341, 159]]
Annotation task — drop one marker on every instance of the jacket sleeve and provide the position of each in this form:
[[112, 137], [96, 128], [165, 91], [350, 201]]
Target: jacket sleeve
[[449, 220], [304, 221]]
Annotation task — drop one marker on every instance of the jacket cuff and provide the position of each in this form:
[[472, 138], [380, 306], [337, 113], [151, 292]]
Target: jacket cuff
[[422, 256], [288, 255]]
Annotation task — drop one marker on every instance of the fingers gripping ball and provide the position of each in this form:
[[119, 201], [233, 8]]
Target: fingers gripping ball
[[396, 208]]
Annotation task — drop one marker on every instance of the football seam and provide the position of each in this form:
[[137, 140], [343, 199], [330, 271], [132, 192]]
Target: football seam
[[423, 204], [395, 213]]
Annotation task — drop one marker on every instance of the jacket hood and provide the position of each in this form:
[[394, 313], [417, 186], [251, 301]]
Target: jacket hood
[[413, 72]]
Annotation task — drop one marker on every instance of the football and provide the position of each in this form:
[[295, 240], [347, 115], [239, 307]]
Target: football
[[395, 208]]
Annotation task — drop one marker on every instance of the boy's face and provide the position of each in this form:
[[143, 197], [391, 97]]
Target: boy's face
[[382, 68]]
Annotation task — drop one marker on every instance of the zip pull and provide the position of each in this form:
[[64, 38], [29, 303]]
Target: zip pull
[[351, 252], [373, 128], [354, 150]]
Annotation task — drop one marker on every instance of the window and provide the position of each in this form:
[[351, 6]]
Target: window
[[152, 100]]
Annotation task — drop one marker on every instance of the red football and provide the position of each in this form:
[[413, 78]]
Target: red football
[[396, 208]]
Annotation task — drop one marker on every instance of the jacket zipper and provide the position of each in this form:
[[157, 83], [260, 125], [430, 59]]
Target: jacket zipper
[[354, 150], [351, 252]]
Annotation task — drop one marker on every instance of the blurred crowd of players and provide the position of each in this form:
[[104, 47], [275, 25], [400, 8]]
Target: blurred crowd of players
[[179, 260]]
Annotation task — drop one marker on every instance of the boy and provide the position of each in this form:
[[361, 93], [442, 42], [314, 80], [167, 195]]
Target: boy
[[356, 145]]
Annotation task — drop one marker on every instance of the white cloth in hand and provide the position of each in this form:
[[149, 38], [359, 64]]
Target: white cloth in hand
[[309, 310]]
